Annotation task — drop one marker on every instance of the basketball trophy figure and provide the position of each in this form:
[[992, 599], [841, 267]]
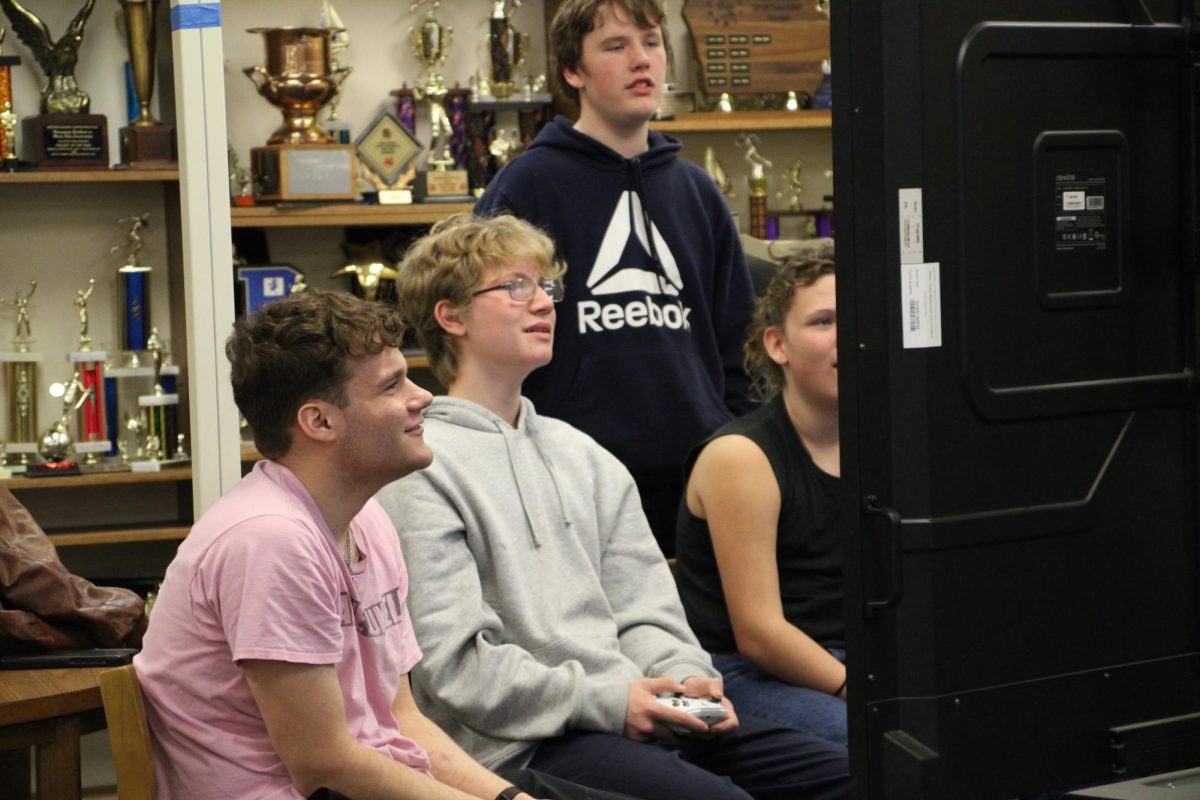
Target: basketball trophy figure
[[21, 303]]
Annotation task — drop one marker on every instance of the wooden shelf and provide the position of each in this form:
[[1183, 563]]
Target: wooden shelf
[[718, 121], [89, 176], [164, 532], [180, 472], [341, 215]]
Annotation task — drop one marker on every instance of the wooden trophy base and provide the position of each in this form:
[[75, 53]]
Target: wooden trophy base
[[443, 186], [286, 172], [148, 147], [66, 141]]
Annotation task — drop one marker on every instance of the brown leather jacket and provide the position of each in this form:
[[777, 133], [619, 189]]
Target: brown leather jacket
[[45, 607]]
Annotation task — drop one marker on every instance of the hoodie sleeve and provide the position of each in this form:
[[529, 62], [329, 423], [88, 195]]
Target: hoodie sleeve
[[652, 626], [479, 680]]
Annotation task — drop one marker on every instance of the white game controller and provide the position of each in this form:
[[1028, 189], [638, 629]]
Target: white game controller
[[710, 712]]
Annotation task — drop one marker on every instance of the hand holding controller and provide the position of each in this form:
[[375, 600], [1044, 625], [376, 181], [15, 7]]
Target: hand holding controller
[[708, 711]]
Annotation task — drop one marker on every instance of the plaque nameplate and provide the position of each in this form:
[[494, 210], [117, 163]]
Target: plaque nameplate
[[65, 140], [304, 172], [769, 46], [443, 186]]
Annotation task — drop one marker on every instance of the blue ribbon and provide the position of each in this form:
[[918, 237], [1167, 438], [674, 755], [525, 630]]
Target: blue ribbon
[[196, 15]]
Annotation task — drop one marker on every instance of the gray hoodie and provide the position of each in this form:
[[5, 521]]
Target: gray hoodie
[[537, 590]]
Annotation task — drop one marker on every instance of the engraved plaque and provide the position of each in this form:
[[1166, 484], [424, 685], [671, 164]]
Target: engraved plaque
[[758, 46]]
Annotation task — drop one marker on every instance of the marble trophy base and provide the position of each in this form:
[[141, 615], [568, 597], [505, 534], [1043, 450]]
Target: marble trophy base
[[24, 451]]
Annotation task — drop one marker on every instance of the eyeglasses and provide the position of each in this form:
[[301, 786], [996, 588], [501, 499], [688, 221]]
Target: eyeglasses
[[521, 288]]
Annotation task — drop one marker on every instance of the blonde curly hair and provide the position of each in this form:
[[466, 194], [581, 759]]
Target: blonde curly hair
[[448, 264]]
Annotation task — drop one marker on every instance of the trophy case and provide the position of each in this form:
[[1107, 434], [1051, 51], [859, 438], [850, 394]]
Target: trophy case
[[59, 227]]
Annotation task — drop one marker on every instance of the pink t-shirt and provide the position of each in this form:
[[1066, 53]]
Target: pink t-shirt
[[261, 577]]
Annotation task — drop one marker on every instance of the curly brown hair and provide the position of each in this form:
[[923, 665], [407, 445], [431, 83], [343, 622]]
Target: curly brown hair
[[450, 262], [300, 348], [766, 377], [575, 19]]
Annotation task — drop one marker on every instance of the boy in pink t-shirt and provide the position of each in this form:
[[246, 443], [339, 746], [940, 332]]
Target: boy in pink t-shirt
[[276, 664]]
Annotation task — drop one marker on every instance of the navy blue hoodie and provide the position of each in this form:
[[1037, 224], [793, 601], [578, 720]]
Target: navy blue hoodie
[[647, 351]]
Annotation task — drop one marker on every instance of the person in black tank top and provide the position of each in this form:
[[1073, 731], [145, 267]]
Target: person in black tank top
[[758, 543]]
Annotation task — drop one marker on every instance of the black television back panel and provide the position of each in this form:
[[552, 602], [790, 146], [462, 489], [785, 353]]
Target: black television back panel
[[1015, 184]]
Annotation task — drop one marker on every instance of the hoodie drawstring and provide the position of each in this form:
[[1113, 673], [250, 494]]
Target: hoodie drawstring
[[639, 189], [507, 433]]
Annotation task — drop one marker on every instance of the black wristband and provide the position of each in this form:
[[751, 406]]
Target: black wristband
[[835, 692], [510, 793]]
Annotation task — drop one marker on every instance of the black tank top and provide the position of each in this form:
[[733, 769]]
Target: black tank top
[[808, 548]]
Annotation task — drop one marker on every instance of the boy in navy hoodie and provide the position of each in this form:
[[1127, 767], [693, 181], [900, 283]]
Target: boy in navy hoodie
[[658, 295]]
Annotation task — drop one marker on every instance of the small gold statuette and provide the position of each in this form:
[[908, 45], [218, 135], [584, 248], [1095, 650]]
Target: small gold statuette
[[81, 301], [20, 302], [372, 276], [8, 116]]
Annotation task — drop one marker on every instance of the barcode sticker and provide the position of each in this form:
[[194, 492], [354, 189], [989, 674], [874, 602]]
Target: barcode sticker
[[912, 227], [921, 304]]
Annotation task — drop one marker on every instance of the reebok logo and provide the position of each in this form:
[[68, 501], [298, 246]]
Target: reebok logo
[[627, 242], [613, 316]]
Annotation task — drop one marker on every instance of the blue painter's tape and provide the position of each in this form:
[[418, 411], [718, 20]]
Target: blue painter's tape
[[196, 15]]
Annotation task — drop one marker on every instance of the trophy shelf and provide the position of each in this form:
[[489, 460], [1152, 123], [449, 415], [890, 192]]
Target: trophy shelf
[[343, 215], [146, 533], [718, 121], [168, 474], [90, 176]]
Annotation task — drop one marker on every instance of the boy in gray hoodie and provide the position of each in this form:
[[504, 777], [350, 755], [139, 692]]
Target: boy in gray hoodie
[[547, 614]]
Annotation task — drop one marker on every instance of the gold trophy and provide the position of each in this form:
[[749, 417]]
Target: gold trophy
[[300, 160], [56, 443], [20, 380], [64, 134], [756, 179], [133, 290], [158, 410], [439, 183], [146, 143], [508, 47], [89, 370], [8, 117]]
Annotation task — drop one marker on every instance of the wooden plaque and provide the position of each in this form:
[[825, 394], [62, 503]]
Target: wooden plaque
[[758, 46]]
